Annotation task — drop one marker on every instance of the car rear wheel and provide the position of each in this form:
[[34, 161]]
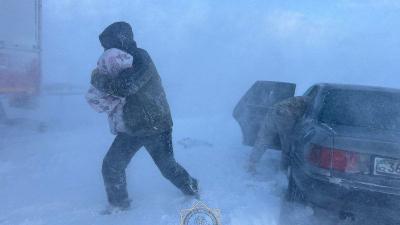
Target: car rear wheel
[[293, 193]]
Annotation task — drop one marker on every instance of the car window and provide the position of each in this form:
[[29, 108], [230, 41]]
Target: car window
[[362, 108]]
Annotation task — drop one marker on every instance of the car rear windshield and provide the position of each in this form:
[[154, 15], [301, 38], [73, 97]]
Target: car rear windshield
[[362, 108]]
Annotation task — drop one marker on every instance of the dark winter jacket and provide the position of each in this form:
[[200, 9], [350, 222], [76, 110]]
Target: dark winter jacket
[[146, 111]]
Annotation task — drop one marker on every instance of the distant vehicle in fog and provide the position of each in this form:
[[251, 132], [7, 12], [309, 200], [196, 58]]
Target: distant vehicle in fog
[[21, 62], [20, 59], [345, 153], [20, 49]]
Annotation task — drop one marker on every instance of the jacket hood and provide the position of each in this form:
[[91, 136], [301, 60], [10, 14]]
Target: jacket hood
[[118, 35]]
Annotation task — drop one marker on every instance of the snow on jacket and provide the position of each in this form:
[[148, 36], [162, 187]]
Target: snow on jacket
[[111, 62], [295, 106], [146, 111]]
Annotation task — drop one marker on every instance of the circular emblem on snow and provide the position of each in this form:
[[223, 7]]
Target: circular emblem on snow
[[200, 214]]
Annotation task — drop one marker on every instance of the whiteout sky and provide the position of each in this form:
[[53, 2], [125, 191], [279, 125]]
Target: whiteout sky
[[209, 53]]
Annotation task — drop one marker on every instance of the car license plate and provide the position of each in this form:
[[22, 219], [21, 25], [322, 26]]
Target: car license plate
[[387, 166]]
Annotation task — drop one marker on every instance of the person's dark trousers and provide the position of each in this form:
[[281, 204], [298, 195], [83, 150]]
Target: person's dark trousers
[[160, 149]]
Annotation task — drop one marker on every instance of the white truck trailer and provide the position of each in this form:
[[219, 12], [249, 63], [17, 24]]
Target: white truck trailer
[[20, 54]]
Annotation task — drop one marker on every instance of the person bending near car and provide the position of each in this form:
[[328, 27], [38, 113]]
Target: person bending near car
[[146, 115], [278, 124]]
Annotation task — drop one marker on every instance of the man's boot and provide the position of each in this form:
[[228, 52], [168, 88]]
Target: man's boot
[[191, 188]]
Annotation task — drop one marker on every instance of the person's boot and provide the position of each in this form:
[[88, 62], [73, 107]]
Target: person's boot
[[116, 208], [197, 190], [191, 188]]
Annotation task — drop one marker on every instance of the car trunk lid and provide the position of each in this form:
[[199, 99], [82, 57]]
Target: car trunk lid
[[369, 144]]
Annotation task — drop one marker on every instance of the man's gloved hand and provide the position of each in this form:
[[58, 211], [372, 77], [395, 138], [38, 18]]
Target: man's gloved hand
[[252, 168], [95, 71]]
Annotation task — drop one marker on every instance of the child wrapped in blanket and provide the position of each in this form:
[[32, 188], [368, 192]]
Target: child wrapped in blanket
[[111, 63]]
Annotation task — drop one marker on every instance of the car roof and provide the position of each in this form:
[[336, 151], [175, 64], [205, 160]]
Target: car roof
[[331, 86]]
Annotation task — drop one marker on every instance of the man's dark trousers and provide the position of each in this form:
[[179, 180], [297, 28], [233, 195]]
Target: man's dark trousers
[[160, 149]]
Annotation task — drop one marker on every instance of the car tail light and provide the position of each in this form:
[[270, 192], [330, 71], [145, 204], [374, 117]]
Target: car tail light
[[340, 160]]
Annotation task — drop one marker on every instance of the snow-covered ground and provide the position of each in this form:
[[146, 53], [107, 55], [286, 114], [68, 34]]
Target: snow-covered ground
[[55, 177]]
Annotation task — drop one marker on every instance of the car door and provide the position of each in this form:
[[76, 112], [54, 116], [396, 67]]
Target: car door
[[251, 110]]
